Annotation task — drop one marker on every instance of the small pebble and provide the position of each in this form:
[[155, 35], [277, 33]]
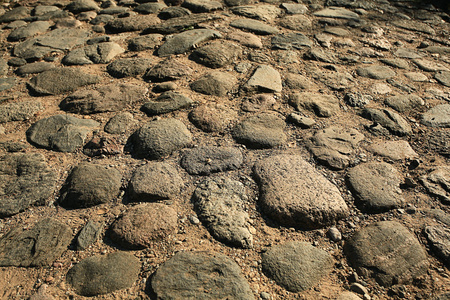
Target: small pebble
[[358, 288], [265, 296], [334, 234]]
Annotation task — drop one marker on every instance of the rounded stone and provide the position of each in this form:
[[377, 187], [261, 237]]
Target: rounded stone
[[143, 224]]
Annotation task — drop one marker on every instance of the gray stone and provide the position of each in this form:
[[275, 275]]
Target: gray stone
[[180, 24], [4, 67], [120, 123], [219, 204], [166, 102], [215, 83], [334, 145], [337, 12], [387, 251], [142, 225], [88, 185], [7, 83], [443, 77], [254, 26], [14, 14], [173, 12], [232, 3], [29, 30], [145, 42], [57, 40], [414, 26], [264, 79], [290, 41], [212, 117], [160, 138], [376, 72], [321, 55], [42, 294], [407, 53], [168, 69], [111, 97], [207, 160], [388, 119], [439, 238], [19, 111], [202, 6], [293, 193], [114, 10], [439, 142], [396, 63], [259, 102], [35, 247], [322, 105], [131, 23], [296, 266], [79, 6], [437, 183], [301, 121], [60, 80], [15, 24], [296, 22], [102, 53], [416, 76], [376, 186], [193, 275], [88, 235], [298, 82], [25, 180], [60, 132], [155, 181], [149, 8], [438, 116], [335, 80], [258, 12], [264, 130], [404, 103], [103, 274], [216, 54], [395, 150], [439, 215], [348, 296], [442, 50], [429, 65], [34, 68], [182, 42], [128, 67], [337, 31]]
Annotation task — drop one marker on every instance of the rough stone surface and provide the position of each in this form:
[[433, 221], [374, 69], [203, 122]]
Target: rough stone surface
[[291, 41], [103, 274], [395, 150], [34, 68], [25, 180], [216, 54], [404, 103], [296, 266], [437, 183], [439, 238], [28, 30], [112, 97], [143, 224], [60, 80], [168, 69], [19, 111], [166, 102], [261, 12], [337, 12], [60, 132], [132, 23], [376, 72], [38, 246], [388, 119], [128, 67], [120, 123], [101, 53], [207, 160], [376, 186], [179, 24], [438, 116], [321, 105], [254, 26], [212, 117], [264, 79], [88, 235], [145, 42], [261, 131], [334, 145], [185, 41], [155, 181], [160, 138], [215, 83], [293, 193], [200, 275], [443, 77], [88, 185], [219, 203], [387, 251]]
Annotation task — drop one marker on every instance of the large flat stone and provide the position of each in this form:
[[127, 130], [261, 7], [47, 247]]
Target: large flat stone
[[185, 41]]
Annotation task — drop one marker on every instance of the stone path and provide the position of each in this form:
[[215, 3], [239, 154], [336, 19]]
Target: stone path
[[224, 149]]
